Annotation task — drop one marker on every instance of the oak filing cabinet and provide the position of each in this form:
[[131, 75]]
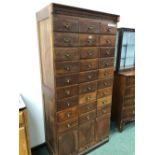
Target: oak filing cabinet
[[77, 56]]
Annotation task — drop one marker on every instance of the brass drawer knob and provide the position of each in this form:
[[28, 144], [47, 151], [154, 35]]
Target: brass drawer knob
[[66, 25], [107, 52], [89, 88], [67, 40], [67, 68], [67, 55], [88, 97], [68, 81], [88, 117], [68, 125], [68, 104], [90, 53], [108, 41], [67, 92], [91, 27], [89, 77], [104, 111], [68, 115], [89, 66]]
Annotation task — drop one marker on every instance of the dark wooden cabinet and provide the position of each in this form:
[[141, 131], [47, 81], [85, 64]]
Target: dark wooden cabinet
[[123, 106], [77, 57]]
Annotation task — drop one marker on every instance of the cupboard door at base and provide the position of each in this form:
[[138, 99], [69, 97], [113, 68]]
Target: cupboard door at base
[[86, 135], [68, 143], [102, 127], [23, 148]]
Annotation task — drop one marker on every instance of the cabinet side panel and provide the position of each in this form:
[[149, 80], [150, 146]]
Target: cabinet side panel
[[48, 82]]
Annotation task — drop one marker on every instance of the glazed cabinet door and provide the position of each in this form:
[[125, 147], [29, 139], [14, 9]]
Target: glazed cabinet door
[[102, 127], [23, 148], [68, 143], [86, 135]]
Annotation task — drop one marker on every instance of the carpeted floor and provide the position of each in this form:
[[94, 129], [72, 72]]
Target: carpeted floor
[[119, 143]]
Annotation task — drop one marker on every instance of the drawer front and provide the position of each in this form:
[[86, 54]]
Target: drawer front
[[107, 40], [106, 63], [106, 52], [104, 101], [66, 92], [86, 65], [130, 91], [104, 92], [88, 116], [87, 98], [130, 81], [87, 87], [65, 39], [88, 40], [61, 127], [107, 29], [128, 112], [104, 110], [21, 117], [89, 26], [67, 80], [87, 107], [67, 114], [67, 103], [128, 101], [88, 53], [65, 24], [106, 73], [105, 83], [88, 76], [67, 67], [66, 54]]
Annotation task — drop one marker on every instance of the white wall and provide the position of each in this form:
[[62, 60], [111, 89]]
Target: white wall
[[30, 84]]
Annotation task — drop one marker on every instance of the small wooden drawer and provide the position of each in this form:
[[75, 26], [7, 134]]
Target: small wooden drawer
[[130, 91], [107, 28], [67, 103], [88, 40], [88, 116], [104, 110], [104, 92], [67, 125], [104, 101], [87, 107], [66, 54], [88, 76], [88, 52], [105, 83], [106, 73], [65, 24], [107, 40], [128, 112], [89, 26], [106, 52], [128, 101], [87, 98], [67, 67], [106, 63], [87, 87], [66, 80], [65, 39], [130, 81], [21, 117], [66, 92], [86, 65], [67, 114]]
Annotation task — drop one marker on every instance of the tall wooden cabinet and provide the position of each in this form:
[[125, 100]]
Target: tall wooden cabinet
[[77, 56], [123, 106]]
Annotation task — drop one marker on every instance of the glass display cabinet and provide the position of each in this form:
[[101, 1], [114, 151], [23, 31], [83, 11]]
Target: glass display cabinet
[[123, 101]]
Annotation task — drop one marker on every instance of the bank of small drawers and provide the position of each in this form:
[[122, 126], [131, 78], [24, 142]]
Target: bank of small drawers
[[84, 59]]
